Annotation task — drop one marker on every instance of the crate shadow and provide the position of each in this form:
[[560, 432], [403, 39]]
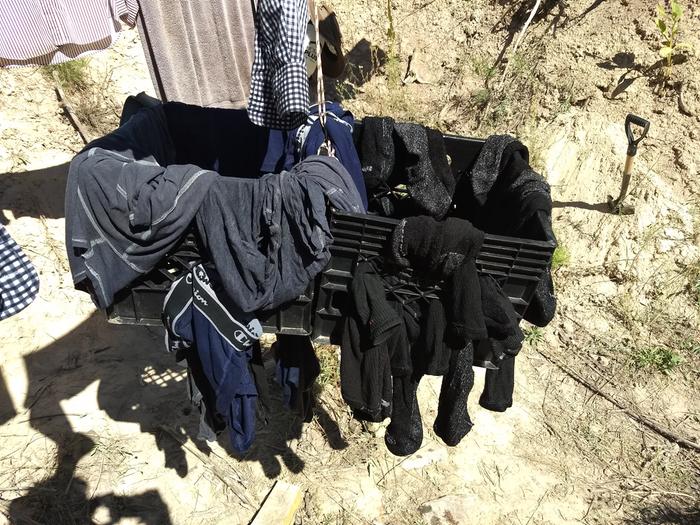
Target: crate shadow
[[602, 207]]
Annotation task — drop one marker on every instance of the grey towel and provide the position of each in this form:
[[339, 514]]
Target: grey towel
[[269, 237], [199, 52], [126, 206]]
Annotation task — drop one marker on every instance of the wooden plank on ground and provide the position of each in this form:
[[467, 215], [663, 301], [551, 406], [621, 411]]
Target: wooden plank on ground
[[280, 505]]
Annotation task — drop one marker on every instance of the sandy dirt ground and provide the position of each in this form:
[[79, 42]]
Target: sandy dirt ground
[[94, 421]]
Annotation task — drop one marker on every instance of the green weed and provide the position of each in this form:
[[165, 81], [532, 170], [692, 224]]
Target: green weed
[[668, 24], [330, 367], [522, 65], [662, 359], [560, 257], [481, 97], [72, 75], [691, 346], [533, 335], [483, 69]]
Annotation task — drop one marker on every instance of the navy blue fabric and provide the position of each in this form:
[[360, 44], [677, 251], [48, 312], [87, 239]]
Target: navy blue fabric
[[224, 346], [223, 140], [286, 148], [296, 371]]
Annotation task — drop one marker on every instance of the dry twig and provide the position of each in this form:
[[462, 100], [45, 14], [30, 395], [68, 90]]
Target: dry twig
[[521, 37], [664, 432], [72, 117]]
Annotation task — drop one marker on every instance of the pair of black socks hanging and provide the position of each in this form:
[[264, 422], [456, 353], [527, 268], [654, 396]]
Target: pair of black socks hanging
[[404, 434]]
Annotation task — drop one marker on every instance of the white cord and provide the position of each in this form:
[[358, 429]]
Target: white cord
[[320, 92]]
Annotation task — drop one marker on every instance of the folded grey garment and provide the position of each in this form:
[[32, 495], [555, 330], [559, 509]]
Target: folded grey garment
[[128, 204]]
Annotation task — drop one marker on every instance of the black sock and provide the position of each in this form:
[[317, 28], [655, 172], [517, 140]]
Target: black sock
[[297, 369], [438, 159], [257, 368], [376, 150], [452, 422], [502, 323], [404, 435], [463, 304], [498, 389]]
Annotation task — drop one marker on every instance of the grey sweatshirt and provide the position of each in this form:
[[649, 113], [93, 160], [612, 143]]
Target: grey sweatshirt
[[268, 238]]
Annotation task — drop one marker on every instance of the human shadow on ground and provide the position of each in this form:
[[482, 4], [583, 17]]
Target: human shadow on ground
[[138, 383], [35, 193]]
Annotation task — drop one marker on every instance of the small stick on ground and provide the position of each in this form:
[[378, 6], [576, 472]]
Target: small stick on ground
[[521, 37], [664, 432], [280, 505], [72, 117]]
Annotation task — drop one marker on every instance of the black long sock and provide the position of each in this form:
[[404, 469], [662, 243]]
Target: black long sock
[[257, 369], [498, 388], [452, 422], [404, 435]]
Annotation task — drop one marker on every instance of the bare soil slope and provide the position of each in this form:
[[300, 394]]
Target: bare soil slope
[[93, 418]]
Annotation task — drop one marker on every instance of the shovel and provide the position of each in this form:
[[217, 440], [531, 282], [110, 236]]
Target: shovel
[[617, 205]]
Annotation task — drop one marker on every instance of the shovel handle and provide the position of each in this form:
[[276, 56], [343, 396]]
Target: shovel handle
[[633, 141]]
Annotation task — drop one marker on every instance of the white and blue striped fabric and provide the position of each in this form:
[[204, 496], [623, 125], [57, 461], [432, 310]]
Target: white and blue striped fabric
[[44, 32]]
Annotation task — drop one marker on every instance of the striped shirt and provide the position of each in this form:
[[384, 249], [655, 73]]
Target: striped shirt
[[43, 32]]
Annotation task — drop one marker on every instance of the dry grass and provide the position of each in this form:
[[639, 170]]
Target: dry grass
[[88, 94], [330, 366], [626, 465]]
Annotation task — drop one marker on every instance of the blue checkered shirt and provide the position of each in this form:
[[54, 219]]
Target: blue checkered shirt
[[19, 282]]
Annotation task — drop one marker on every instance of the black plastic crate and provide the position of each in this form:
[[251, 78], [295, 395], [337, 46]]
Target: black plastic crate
[[142, 303], [516, 264]]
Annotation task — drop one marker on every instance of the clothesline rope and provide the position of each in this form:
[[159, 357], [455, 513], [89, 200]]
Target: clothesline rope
[[326, 147]]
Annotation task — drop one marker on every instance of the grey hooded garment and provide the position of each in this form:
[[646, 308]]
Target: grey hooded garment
[[269, 237], [128, 204]]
